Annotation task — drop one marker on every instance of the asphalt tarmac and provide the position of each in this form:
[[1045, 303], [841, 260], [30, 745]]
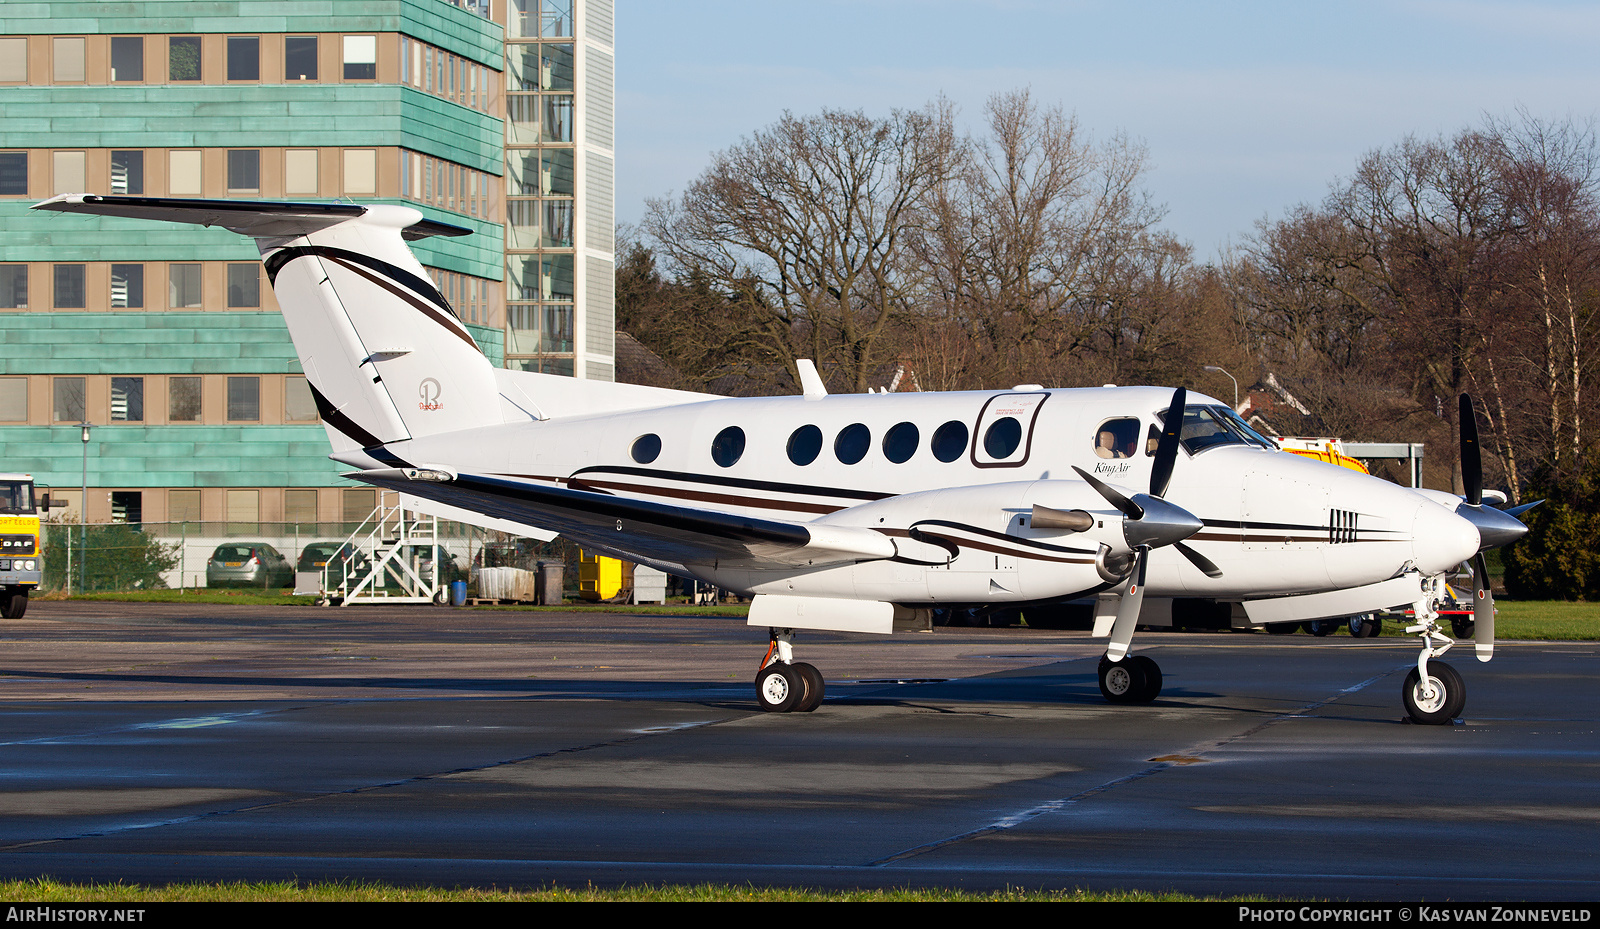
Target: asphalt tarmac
[[424, 745]]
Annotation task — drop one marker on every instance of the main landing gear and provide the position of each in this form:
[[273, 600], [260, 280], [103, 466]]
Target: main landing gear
[[1134, 679], [1433, 692], [784, 685]]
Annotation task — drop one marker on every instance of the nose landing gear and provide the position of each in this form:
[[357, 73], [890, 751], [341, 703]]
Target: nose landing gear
[[1433, 692]]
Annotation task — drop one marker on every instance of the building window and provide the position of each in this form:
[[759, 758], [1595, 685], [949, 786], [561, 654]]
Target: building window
[[183, 173], [127, 399], [244, 285], [300, 171], [13, 60], [300, 506], [244, 399], [14, 174], [299, 406], [67, 60], [183, 399], [358, 504], [69, 289], [127, 172], [244, 171], [300, 58], [557, 123], [555, 18], [127, 58], [69, 400], [244, 58], [13, 399], [127, 286], [184, 286], [127, 506], [183, 506], [361, 171], [183, 58], [13, 287], [244, 511], [360, 57], [67, 173]]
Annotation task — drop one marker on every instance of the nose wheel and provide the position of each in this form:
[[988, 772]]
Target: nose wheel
[[1433, 692], [1134, 679], [784, 685]]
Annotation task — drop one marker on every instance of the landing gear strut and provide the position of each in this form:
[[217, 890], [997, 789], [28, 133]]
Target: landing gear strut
[[1433, 692], [1134, 679], [784, 685]]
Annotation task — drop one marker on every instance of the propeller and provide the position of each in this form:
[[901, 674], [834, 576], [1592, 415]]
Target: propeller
[[1151, 522], [1495, 528]]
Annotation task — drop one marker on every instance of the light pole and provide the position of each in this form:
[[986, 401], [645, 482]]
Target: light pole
[[1231, 378], [83, 511]]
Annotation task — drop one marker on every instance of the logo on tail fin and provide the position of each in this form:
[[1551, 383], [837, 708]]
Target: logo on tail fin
[[430, 391]]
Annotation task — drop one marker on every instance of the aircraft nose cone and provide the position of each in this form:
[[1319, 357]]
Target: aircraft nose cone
[[1495, 528], [1163, 523], [1440, 539]]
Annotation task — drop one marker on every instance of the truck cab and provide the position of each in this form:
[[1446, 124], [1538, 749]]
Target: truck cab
[[21, 564]]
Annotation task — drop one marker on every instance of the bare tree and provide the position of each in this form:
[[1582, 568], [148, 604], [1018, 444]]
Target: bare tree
[[804, 224]]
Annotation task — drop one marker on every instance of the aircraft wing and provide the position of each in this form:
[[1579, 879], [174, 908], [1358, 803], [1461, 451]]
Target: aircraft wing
[[644, 529]]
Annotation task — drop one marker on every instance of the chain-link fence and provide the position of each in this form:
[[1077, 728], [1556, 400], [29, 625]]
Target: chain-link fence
[[144, 556]]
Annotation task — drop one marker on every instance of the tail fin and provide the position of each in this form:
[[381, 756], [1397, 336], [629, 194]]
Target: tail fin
[[386, 357]]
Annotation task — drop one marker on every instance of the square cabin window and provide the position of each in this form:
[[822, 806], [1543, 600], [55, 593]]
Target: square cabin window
[[127, 58], [360, 57], [244, 58], [244, 171], [183, 58], [300, 58], [244, 285]]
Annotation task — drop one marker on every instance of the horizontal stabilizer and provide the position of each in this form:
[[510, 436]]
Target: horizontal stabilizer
[[254, 218]]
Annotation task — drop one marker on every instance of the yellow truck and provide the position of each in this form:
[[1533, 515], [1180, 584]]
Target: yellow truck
[[21, 565]]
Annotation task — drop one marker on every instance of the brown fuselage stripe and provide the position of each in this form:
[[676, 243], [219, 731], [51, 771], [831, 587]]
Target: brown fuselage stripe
[[1028, 554], [421, 307]]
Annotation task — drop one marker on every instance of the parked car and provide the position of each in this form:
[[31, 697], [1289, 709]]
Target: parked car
[[342, 561], [248, 564]]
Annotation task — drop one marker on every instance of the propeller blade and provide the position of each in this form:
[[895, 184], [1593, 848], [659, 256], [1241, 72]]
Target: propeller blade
[[1128, 507], [1471, 453], [1167, 448], [1517, 511], [1128, 610], [1482, 609], [1198, 560]]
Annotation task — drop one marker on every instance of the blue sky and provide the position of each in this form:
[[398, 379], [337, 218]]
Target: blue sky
[[1246, 108]]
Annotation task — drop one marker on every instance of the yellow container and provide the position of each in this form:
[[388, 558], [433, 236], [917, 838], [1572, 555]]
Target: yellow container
[[599, 577]]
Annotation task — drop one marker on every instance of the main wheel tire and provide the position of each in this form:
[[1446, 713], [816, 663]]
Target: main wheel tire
[[1152, 678], [778, 688], [1282, 628], [1445, 703], [811, 678], [1365, 626], [1121, 681], [15, 603], [1320, 627], [1463, 628]]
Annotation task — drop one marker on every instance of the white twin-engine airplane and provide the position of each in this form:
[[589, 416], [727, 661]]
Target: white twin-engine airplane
[[854, 513]]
